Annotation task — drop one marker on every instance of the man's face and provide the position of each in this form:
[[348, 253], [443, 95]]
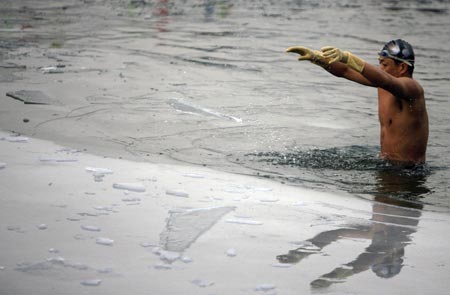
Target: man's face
[[390, 66]]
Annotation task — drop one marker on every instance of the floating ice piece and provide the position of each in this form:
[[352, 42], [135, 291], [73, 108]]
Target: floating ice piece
[[202, 283], [15, 138], [186, 259], [265, 287], [260, 189], [53, 250], [162, 266], [183, 228], [269, 200], [134, 187], [99, 173], [298, 204], [169, 256], [131, 199], [99, 170], [52, 70], [104, 241], [57, 260], [193, 175], [42, 226], [2, 165], [147, 244], [30, 97], [231, 252], [91, 283], [190, 108], [176, 193], [244, 221], [45, 159], [90, 228], [282, 265], [2, 268]]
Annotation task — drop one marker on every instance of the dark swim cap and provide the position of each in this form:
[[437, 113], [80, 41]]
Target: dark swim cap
[[399, 50]]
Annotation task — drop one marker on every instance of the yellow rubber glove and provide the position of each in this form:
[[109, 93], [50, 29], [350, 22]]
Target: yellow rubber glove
[[335, 54], [314, 56]]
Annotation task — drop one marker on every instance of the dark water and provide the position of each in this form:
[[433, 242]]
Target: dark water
[[208, 83]]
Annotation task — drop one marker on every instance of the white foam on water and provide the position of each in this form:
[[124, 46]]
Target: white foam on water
[[177, 193], [134, 187], [104, 241]]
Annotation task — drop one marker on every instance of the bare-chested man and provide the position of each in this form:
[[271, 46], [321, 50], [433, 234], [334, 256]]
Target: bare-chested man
[[401, 103]]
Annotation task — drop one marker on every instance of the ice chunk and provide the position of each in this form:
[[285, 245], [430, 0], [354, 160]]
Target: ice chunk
[[186, 259], [90, 228], [91, 283], [2, 165], [30, 97], [202, 283], [52, 70], [45, 159], [231, 252], [2, 268], [134, 187], [99, 170], [147, 244], [169, 256], [53, 250], [162, 266], [99, 173], [15, 138], [184, 227], [131, 199], [269, 200], [265, 287], [193, 175], [244, 221], [177, 193], [104, 241], [281, 265], [42, 226]]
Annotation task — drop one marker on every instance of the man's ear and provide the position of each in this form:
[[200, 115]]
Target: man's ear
[[403, 68]]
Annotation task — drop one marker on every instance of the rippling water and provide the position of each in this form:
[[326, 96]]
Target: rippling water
[[208, 83]]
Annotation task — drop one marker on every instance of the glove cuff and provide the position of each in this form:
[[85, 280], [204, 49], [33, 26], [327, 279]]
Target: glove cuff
[[354, 62]]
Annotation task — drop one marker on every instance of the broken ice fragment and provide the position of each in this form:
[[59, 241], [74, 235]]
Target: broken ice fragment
[[148, 244], [91, 283], [244, 221], [162, 266], [2, 165], [53, 250], [131, 199], [231, 252], [186, 259], [90, 228], [104, 241], [202, 283], [169, 256], [30, 97], [265, 287], [134, 187], [52, 70], [193, 175], [42, 226], [177, 193], [15, 138]]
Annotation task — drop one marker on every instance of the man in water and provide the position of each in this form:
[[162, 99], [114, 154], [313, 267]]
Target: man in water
[[401, 103]]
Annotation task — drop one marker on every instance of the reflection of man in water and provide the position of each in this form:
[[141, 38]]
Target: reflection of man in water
[[391, 226], [401, 103]]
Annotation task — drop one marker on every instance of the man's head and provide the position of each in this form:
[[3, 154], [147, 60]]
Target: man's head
[[397, 56]]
